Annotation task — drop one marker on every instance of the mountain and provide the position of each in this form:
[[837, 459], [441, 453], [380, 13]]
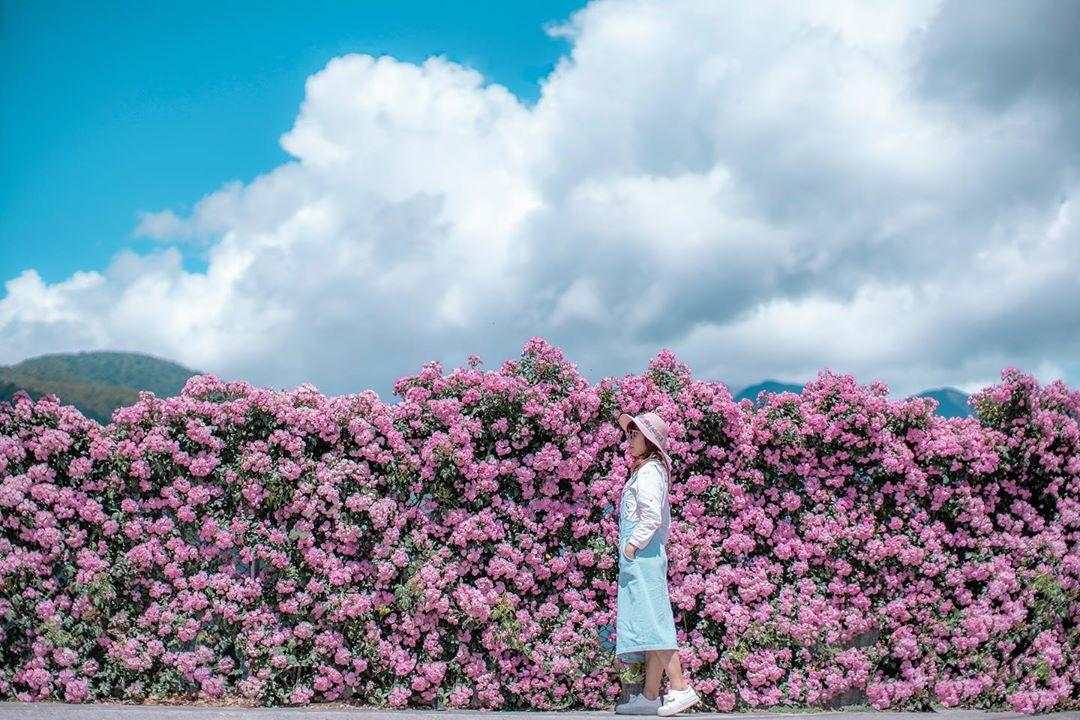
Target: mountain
[[95, 382], [98, 382], [769, 386], [951, 402]]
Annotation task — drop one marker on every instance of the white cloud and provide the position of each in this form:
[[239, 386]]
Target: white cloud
[[766, 188], [581, 301], [164, 225]]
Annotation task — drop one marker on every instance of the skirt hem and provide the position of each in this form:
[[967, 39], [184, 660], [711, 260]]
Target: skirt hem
[[643, 648]]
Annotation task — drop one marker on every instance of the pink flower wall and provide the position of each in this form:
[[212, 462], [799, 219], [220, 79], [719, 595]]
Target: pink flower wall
[[457, 548]]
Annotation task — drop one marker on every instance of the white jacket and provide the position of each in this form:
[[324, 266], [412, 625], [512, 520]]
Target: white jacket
[[647, 504]]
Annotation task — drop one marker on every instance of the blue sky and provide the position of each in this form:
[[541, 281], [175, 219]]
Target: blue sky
[[340, 193], [110, 108]]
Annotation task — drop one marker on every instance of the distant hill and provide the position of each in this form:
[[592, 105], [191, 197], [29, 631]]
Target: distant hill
[[951, 402], [96, 382], [770, 386]]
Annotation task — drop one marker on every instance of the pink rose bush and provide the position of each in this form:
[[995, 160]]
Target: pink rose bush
[[456, 548]]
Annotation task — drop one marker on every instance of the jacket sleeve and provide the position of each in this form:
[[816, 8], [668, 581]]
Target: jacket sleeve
[[651, 496]]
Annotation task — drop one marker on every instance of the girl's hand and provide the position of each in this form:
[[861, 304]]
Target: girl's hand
[[632, 554]]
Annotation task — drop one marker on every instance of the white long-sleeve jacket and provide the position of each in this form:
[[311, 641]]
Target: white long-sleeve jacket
[[647, 504]]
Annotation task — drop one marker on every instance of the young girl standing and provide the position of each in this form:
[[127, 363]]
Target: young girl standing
[[645, 627]]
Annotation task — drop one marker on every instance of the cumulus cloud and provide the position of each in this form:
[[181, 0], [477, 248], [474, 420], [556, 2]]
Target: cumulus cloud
[[767, 189]]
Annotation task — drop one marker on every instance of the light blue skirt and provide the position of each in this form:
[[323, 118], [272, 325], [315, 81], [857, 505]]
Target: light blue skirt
[[643, 616]]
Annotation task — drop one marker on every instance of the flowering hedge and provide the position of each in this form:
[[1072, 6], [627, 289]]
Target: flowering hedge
[[457, 548]]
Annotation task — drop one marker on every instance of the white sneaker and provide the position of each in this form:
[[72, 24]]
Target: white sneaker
[[675, 701], [638, 704]]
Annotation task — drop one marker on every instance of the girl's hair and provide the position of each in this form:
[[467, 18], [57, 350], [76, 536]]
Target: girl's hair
[[652, 453]]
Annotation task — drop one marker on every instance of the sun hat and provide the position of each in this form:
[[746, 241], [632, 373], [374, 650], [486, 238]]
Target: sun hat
[[652, 426]]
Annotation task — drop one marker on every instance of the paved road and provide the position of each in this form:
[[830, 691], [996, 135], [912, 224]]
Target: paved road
[[108, 711]]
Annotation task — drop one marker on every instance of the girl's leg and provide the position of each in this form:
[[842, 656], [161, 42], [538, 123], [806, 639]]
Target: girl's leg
[[669, 661], [654, 672]]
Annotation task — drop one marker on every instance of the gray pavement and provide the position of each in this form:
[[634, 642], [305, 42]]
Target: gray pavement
[[104, 711]]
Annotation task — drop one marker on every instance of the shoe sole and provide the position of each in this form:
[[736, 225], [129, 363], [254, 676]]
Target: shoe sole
[[680, 709]]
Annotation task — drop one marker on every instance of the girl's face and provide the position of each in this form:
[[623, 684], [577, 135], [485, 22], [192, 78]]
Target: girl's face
[[636, 440]]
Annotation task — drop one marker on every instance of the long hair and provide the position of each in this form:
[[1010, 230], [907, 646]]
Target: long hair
[[651, 453]]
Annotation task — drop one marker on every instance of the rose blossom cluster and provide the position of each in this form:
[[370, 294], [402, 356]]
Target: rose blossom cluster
[[456, 548]]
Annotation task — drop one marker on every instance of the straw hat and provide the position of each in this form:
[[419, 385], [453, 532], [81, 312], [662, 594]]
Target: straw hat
[[652, 426]]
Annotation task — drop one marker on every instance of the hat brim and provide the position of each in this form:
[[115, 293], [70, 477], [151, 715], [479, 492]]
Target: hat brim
[[625, 420]]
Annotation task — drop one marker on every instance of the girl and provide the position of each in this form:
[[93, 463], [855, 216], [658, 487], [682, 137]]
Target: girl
[[644, 626]]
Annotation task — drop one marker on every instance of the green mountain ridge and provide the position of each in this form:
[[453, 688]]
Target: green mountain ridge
[[95, 382], [951, 402], [98, 382]]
